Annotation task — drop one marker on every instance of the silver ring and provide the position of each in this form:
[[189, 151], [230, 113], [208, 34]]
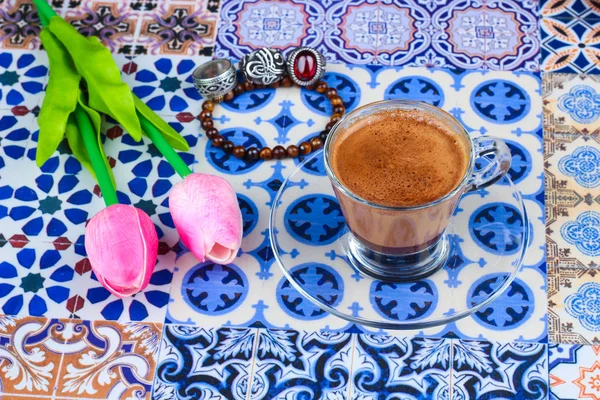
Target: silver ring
[[263, 66], [214, 79], [305, 66]]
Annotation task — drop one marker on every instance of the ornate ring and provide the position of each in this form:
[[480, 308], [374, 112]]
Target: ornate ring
[[214, 79], [263, 67], [305, 66]]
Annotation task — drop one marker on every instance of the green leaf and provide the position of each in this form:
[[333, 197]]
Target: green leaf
[[170, 134], [76, 141], [107, 92], [60, 99]]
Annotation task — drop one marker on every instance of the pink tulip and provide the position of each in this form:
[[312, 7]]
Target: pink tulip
[[122, 245], [207, 216]]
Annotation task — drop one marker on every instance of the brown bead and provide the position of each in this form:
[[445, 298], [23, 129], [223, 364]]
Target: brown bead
[[218, 141], [339, 110], [208, 105], [336, 101], [312, 87], [212, 133], [204, 115], [229, 96], [279, 152], [331, 92], [316, 143], [330, 125], [248, 86], [322, 87], [286, 81], [275, 85], [336, 115], [239, 151], [252, 154], [266, 154], [334, 119], [238, 89], [207, 124], [292, 151], [228, 146], [323, 135], [304, 148], [259, 86]]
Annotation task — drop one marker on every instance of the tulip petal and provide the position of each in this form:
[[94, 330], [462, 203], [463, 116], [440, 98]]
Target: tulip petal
[[207, 216], [122, 245]]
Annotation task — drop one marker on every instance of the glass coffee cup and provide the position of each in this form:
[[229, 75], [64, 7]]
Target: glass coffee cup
[[408, 243]]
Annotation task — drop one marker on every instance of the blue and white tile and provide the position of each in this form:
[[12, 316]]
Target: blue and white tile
[[300, 364], [23, 78], [206, 363], [572, 103], [15, 133], [36, 280], [490, 370], [400, 367], [573, 371], [165, 83]]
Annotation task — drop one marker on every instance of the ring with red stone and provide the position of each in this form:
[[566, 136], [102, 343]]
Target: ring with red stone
[[305, 66]]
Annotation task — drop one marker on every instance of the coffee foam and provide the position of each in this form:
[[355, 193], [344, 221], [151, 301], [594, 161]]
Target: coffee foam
[[399, 158]]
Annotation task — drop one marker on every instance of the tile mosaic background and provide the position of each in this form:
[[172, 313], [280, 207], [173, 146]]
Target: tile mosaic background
[[525, 71]]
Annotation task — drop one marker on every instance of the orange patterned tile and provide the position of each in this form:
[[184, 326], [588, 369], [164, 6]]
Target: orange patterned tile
[[108, 360]]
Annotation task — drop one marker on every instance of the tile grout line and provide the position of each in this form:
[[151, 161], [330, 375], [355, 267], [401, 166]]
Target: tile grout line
[[351, 372], [251, 376]]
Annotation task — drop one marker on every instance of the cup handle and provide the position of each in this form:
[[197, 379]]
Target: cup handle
[[496, 168]]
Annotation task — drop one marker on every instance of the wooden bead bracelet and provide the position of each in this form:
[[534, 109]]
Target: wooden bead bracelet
[[278, 152]]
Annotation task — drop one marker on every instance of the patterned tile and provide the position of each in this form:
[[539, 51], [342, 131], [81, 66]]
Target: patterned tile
[[573, 195], [568, 10], [394, 367], [491, 370], [106, 360], [55, 280], [574, 371], [208, 363], [292, 364], [30, 355], [172, 27], [572, 296], [570, 46], [571, 103], [22, 80], [252, 289], [20, 25]]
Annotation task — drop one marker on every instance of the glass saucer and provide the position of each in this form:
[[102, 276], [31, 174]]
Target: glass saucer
[[487, 239]]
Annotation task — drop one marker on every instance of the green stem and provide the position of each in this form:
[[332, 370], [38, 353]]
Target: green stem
[[164, 147], [91, 145], [44, 10], [43, 20]]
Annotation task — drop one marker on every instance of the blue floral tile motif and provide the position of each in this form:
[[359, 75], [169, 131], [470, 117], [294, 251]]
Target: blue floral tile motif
[[320, 279], [315, 219], [34, 280], [490, 370], [22, 78], [228, 163], [165, 84], [584, 165], [583, 305], [204, 364], [513, 308], [214, 289], [404, 301], [292, 364], [14, 134], [582, 103], [584, 233], [390, 367], [416, 88], [500, 101], [496, 228]]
